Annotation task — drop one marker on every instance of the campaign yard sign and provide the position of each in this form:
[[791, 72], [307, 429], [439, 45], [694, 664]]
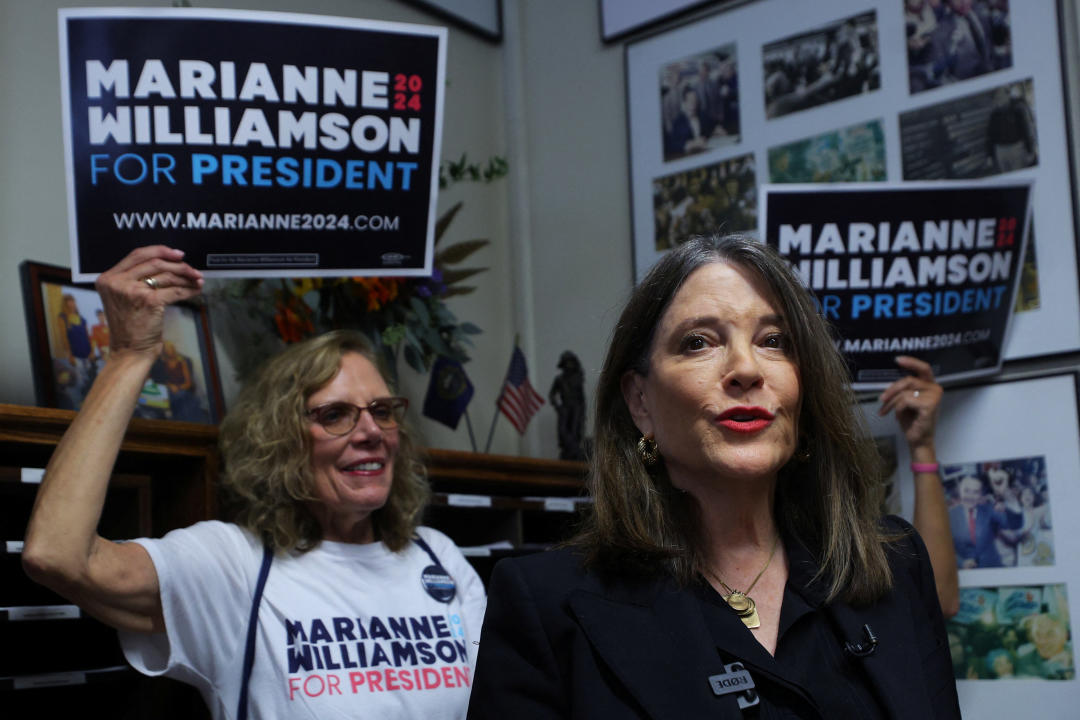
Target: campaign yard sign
[[261, 143], [924, 269]]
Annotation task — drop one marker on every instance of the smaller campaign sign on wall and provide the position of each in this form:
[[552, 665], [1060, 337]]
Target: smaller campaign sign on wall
[[260, 143], [924, 269]]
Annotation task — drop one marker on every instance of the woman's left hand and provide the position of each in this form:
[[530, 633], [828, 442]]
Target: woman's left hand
[[915, 399]]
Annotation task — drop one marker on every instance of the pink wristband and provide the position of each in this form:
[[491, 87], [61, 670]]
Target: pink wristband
[[924, 467]]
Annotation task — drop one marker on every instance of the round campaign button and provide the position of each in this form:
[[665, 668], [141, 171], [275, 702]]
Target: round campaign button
[[438, 583]]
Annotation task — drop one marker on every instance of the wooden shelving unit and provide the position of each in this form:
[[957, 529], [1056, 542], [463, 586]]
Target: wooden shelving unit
[[521, 504], [164, 479]]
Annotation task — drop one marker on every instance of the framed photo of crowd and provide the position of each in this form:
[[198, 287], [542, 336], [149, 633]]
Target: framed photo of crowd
[[70, 342], [891, 91], [1010, 487]]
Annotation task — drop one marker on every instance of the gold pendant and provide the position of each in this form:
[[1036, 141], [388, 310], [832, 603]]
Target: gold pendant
[[744, 607]]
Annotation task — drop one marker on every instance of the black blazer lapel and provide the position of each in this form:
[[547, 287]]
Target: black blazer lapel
[[658, 647], [894, 668]]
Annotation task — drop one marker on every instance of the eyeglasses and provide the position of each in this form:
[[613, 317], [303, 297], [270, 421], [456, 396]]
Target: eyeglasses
[[339, 418]]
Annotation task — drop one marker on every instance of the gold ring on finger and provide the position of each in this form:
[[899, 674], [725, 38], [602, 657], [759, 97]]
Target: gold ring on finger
[[149, 280]]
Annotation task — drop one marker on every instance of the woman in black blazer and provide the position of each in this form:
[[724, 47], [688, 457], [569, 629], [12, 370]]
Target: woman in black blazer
[[735, 563]]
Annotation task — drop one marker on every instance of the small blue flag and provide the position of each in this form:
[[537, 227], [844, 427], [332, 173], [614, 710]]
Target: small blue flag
[[448, 393]]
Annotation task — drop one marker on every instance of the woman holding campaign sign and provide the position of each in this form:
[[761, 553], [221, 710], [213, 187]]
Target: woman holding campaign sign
[[325, 598], [736, 559]]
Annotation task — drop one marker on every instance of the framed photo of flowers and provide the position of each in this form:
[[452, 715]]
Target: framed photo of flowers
[[788, 91], [70, 342]]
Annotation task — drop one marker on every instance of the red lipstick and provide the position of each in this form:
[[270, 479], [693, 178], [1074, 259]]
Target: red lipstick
[[744, 419]]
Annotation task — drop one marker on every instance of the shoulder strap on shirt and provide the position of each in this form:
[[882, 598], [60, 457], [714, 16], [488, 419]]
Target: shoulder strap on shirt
[[426, 548], [253, 622]]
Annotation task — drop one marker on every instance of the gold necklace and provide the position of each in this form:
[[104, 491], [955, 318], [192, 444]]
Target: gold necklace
[[741, 602]]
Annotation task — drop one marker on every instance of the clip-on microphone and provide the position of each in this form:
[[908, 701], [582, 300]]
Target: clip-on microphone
[[862, 649]]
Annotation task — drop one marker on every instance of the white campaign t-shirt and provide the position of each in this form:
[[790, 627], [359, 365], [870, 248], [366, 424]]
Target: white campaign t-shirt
[[345, 631]]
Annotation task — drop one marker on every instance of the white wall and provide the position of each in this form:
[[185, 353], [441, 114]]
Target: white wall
[[574, 201]]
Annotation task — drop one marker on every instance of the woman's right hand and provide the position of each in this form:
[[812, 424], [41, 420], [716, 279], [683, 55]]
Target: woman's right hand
[[134, 307], [115, 582]]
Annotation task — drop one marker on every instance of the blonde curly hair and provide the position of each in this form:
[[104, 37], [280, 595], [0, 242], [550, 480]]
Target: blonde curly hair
[[266, 445]]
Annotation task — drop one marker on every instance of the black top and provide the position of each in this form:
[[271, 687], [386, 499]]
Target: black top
[[562, 641], [811, 676]]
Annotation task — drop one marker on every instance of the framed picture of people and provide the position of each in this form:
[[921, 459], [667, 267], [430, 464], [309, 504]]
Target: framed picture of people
[[999, 513], [70, 342], [860, 91], [1009, 454]]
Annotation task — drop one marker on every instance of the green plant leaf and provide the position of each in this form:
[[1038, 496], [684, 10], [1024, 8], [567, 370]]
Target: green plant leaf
[[452, 277], [247, 287], [457, 169], [415, 358], [497, 167], [440, 345], [469, 329], [393, 334], [461, 170], [445, 219], [459, 251], [460, 290], [431, 339], [421, 312], [443, 316]]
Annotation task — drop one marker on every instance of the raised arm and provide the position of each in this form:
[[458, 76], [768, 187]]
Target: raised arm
[[915, 400], [114, 582]]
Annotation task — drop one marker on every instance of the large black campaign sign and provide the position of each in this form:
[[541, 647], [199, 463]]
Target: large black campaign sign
[[920, 270], [259, 143]]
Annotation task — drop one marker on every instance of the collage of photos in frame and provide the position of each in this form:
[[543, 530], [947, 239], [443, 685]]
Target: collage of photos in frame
[[948, 42]]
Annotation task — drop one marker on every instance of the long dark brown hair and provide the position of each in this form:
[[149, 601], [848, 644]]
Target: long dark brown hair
[[830, 502]]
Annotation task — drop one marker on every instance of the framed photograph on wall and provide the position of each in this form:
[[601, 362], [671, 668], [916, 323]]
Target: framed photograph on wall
[[1013, 632], [1009, 453], [481, 17], [69, 342], [619, 18], [786, 91]]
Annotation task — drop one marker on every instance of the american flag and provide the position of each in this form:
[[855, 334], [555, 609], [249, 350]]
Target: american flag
[[518, 401]]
